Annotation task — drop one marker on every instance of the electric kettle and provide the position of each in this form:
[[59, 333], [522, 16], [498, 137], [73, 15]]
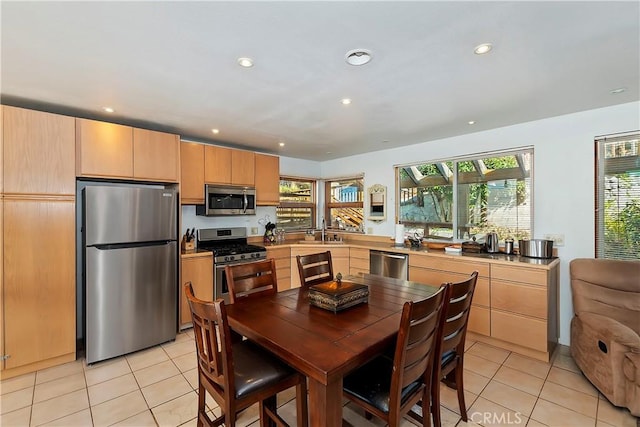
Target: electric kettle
[[491, 242]]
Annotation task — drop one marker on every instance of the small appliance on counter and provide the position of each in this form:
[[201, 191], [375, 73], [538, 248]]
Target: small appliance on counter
[[508, 246], [536, 248], [491, 243]]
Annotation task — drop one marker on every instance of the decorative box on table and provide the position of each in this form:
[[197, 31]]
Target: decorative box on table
[[338, 295]]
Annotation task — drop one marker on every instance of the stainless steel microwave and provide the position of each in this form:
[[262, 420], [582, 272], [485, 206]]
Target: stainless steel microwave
[[227, 200]]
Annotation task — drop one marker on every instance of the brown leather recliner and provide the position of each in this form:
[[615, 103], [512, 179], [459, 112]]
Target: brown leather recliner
[[605, 331]]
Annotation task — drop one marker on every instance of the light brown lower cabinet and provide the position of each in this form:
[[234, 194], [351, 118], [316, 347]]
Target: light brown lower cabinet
[[39, 291], [358, 261], [524, 308], [197, 269], [282, 256], [436, 271], [515, 306]]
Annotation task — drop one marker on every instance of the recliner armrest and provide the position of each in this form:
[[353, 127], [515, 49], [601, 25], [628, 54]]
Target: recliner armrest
[[611, 330]]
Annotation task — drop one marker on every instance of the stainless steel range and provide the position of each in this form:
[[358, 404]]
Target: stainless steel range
[[229, 246]]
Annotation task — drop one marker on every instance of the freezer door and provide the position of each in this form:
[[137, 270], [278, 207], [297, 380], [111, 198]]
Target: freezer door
[[131, 299], [129, 214]]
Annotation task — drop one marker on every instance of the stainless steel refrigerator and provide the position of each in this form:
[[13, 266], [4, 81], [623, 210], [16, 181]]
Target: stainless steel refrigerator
[[130, 269]]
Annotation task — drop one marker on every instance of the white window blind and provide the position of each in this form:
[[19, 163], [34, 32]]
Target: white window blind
[[618, 197]]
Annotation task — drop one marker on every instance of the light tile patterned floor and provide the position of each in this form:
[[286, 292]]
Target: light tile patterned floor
[[158, 387]]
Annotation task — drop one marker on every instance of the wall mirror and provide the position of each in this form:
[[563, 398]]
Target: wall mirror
[[377, 202]]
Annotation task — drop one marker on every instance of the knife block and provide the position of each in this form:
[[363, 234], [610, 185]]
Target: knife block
[[187, 246]]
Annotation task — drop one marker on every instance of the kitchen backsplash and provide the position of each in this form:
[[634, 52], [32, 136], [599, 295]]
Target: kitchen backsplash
[[190, 220]]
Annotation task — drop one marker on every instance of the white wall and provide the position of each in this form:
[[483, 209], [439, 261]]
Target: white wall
[[563, 197]]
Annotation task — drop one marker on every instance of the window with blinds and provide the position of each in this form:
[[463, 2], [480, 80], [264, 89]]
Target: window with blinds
[[618, 197], [297, 209]]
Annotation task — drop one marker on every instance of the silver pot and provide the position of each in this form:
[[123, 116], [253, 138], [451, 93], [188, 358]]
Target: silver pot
[[536, 248]]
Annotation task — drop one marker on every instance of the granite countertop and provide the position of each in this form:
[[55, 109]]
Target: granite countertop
[[500, 258]]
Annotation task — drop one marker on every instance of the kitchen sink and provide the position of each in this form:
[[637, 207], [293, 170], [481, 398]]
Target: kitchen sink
[[319, 242]]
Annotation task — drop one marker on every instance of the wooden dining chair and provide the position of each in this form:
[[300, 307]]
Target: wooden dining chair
[[388, 387], [451, 346], [252, 279], [239, 374], [315, 268]]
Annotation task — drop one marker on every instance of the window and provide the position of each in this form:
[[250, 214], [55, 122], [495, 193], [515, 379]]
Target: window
[[297, 209], [618, 197], [344, 207], [466, 197]]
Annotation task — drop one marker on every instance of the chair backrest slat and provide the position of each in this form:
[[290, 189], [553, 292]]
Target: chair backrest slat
[[252, 279], [315, 268]]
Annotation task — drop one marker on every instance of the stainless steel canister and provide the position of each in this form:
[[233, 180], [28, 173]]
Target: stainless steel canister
[[508, 246]]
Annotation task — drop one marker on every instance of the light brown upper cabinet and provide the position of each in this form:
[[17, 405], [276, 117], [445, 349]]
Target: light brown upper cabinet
[[103, 149], [267, 180], [38, 152], [192, 173], [116, 151], [217, 165], [155, 155], [228, 166], [243, 167]]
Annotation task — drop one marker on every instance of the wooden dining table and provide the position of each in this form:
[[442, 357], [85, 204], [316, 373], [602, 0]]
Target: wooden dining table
[[323, 345]]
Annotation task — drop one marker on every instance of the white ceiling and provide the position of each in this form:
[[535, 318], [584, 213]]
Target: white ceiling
[[172, 66]]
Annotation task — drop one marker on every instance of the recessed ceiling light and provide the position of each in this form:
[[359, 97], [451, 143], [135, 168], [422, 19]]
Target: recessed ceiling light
[[482, 48], [346, 101], [108, 109], [245, 62], [617, 91], [358, 57], [472, 122], [281, 144], [328, 152], [216, 131]]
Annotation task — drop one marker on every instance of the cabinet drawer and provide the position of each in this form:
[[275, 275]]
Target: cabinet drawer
[[360, 253], [283, 283], [283, 273], [521, 299], [439, 263], [358, 271], [437, 277], [479, 320], [359, 263], [517, 329], [278, 253], [335, 252], [534, 276]]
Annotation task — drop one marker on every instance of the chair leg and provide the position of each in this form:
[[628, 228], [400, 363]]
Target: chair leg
[[460, 389], [270, 404], [435, 403], [202, 410], [426, 413], [302, 410]]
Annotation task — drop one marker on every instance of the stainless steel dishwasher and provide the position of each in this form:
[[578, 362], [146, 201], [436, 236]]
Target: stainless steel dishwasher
[[389, 264]]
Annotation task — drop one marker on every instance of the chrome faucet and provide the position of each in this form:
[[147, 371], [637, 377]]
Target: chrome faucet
[[324, 229]]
